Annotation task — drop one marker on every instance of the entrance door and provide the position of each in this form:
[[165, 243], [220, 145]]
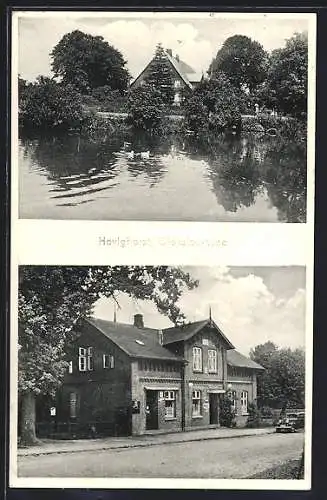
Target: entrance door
[[151, 410], [213, 408]]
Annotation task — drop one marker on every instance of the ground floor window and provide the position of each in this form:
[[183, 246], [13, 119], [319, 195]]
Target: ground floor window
[[244, 402], [73, 405], [233, 400], [170, 404], [196, 404]]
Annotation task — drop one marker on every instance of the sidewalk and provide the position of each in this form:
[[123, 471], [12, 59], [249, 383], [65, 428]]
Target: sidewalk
[[111, 443]]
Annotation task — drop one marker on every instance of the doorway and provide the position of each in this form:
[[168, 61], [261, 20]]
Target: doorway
[[151, 410], [213, 408]]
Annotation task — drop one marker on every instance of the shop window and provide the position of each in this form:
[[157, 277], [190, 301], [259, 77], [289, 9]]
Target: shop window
[[212, 361], [196, 404], [170, 404], [197, 359]]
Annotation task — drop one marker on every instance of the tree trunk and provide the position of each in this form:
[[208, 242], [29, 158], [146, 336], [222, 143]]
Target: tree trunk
[[27, 431]]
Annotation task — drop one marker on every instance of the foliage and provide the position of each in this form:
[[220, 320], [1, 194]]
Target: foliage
[[47, 104], [110, 100], [243, 60], [254, 416], [282, 383], [214, 106], [88, 62], [146, 109], [159, 76], [286, 85], [226, 412]]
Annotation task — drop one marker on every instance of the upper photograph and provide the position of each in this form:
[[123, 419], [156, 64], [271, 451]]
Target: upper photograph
[[163, 116]]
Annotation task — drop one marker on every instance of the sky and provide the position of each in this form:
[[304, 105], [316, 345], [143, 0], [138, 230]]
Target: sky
[[251, 305], [195, 40]]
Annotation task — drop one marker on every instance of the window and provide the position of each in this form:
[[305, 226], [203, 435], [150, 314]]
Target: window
[[90, 359], [108, 361], [244, 402], [160, 337], [82, 357], [170, 404], [70, 367], [205, 341], [196, 404], [177, 84], [85, 359], [233, 400], [197, 359], [73, 405], [212, 361]]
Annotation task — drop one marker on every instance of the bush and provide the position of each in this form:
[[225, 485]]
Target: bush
[[226, 414], [48, 105], [110, 100], [254, 416], [215, 106], [146, 110]]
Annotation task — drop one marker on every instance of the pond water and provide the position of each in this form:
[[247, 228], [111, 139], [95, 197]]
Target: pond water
[[244, 179]]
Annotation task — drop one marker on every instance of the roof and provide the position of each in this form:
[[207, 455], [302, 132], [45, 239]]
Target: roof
[[235, 358], [185, 332], [188, 74], [126, 337], [184, 70]]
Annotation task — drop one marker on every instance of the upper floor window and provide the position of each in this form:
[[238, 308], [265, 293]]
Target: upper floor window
[[196, 404], [244, 402], [212, 360], [170, 404], [197, 359], [108, 361], [85, 359], [205, 341], [177, 84]]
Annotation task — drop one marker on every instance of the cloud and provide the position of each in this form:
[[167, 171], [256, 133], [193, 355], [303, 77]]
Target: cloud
[[246, 310], [195, 40]]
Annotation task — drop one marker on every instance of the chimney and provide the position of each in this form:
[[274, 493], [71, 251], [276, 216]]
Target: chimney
[[177, 57], [169, 51], [138, 320], [160, 337]]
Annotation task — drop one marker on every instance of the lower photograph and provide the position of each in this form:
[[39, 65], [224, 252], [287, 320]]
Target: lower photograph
[[191, 372]]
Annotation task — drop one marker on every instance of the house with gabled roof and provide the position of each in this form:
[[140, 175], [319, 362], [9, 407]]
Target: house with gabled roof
[[131, 380], [184, 77]]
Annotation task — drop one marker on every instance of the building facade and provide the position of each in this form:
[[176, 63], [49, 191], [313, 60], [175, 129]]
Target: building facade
[[184, 77], [132, 380]]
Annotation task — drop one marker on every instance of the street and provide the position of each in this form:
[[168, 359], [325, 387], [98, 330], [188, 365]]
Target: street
[[228, 458]]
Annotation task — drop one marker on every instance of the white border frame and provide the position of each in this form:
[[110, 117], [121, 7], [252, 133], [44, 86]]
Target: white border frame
[[59, 242]]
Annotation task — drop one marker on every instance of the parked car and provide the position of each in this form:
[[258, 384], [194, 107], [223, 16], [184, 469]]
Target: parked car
[[290, 422]]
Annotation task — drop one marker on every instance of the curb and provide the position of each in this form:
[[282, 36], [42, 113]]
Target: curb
[[138, 445]]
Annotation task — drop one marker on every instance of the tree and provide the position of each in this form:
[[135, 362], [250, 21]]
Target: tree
[[160, 76], [47, 104], [287, 79], [53, 299], [243, 60], [214, 106], [88, 62], [282, 383], [146, 109]]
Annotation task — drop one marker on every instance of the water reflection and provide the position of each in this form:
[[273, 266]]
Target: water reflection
[[226, 179]]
